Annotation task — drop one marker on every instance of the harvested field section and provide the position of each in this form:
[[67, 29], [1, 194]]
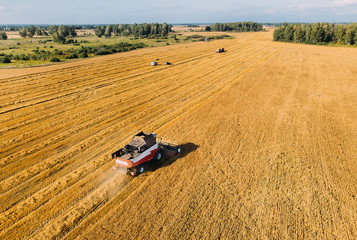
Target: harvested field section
[[276, 158], [58, 128], [267, 131]]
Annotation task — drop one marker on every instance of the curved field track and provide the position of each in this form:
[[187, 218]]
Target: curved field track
[[267, 129]]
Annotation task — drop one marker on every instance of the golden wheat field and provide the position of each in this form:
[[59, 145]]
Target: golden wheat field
[[268, 133]]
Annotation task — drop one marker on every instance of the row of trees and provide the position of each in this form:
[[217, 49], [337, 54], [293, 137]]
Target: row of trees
[[61, 33], [143, 30], [317, 33], [63, 30], [235, 27], [193, 25], [82, 52], [31, 31], [58, 32], [45, 27]]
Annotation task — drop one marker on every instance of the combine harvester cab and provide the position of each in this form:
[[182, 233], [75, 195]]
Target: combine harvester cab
[[144, 147]]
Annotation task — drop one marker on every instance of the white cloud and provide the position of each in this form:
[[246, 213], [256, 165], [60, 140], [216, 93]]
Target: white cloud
[[326, 5], [305, 6], [2, 8], [269, 11], [344, 3]]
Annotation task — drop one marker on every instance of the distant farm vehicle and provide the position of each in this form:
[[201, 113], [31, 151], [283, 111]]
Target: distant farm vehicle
[[153, 63], [220, 50], [167, 63], [143, 148]]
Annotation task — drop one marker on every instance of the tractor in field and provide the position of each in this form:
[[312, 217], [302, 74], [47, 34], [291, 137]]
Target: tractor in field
[[142, 149], [220, 50]]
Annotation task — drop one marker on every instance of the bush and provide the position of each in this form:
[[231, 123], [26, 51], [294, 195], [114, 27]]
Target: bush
[[56, 52], [83, 55], [5, 59], [73, 55], [140, 45], [3, 36], [102, 52], [24, 57], [55, 59]]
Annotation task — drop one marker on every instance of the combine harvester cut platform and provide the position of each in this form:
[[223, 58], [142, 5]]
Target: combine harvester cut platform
[[143, 148]]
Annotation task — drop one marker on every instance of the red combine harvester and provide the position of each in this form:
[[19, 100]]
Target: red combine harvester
[[143, 148]]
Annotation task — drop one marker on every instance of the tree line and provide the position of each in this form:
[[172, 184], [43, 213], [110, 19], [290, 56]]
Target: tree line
[[58, 32], [31, 31], [144, 30], [317, 33], [235, 27], [72, 53], [45, 27], [193, 25]]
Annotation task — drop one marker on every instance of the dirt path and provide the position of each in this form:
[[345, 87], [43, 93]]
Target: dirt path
[[267, 131]]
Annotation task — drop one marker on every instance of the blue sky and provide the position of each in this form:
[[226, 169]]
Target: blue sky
[[174, 11]]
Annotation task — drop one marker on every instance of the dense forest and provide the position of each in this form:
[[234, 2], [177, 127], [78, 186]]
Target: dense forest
[[235, 27], [317, 33], [144, 30]]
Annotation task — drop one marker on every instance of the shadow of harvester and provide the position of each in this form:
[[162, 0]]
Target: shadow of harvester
[[186, 149]]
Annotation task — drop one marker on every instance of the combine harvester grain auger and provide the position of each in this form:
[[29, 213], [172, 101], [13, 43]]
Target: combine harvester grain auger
[[142, 149]]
